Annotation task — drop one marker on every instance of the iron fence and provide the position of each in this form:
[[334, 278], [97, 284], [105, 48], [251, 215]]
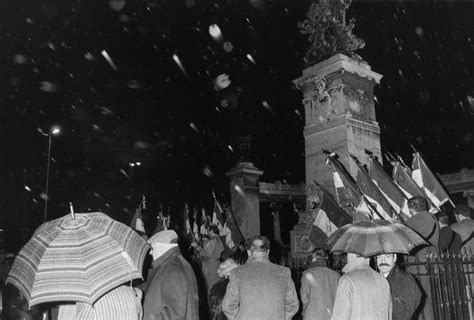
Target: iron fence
[[449, 277]]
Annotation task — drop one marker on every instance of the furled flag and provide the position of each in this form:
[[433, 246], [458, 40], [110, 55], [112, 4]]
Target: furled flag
[[329, 218], [218, 218], [137, 220], [188, 231], [205, 223], [347, 193], [233, 235], [160, 222], [387, 186], [373, 194], [426, 180], [195, 225], [401, 176]]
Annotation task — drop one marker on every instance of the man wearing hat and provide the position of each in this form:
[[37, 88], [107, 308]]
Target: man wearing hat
[[171, 290], [426, 225]]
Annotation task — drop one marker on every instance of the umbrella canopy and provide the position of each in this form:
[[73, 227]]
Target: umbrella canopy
[[368, 238], [77, 258]]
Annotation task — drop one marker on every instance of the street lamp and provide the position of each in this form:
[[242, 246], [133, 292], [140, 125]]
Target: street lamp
[[53, 131], [133, 164]]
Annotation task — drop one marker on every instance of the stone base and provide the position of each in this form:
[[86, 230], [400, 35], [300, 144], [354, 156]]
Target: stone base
[[301, 246]]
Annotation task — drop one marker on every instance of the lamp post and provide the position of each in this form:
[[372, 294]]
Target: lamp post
[[133, 164], [54, 131]]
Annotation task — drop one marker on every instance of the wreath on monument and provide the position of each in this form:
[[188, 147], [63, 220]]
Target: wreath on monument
[[328, 31]]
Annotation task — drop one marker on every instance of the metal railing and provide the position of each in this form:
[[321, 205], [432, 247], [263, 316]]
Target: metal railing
[[450, 277]]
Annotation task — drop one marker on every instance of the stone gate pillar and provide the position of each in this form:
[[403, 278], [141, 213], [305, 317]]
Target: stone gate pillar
[[244, 189], [339, 115]]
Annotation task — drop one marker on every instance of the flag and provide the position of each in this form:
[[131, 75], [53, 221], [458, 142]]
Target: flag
[[402, 178], [195, 226], [188, 232], [137, 220], [205, 223], [347, 191], [427, 181], [329, 218], [218, 218], [160, 223], [387, 186], [233, 235], [373, 194]]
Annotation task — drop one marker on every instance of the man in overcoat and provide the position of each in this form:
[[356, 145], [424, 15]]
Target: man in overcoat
[[426, 225], [362, 293], [260, 289], [318, 287], [406, 294], [171, 290]]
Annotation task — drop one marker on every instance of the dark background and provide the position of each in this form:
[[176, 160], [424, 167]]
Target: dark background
[[178, 125]]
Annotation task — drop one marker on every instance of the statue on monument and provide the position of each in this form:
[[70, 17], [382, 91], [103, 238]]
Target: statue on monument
[[328, 31]]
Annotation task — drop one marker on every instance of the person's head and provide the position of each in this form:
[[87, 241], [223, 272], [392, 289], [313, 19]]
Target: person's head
[[443, 220], [385, 262], [319, 254], [225, 267], [417, 204], [258, 246], [161, 242], [462, 212], [352, 257], [213, 231]]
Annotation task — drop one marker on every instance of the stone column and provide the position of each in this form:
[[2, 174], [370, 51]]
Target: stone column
[[339, 115], [244, 190]]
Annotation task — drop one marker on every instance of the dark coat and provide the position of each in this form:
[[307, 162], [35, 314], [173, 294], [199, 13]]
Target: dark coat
[[216, 295], [318, 291], [449, 241], [171, 290], [406, 295], [16, 307]]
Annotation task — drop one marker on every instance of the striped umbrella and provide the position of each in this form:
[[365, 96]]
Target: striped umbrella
[[77, 258], [368, 238]]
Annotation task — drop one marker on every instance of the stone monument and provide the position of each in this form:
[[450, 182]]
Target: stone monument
[[338, 95], [338, 99], [339, 115]]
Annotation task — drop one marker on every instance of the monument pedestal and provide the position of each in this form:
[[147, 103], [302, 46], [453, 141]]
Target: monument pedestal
[[244, 189], [339, 115], [338, 99]]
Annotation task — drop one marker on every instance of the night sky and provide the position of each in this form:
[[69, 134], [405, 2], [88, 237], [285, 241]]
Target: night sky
[[141, 106]]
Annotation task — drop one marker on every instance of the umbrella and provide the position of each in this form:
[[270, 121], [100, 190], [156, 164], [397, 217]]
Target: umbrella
[[368, 238], [77, 258]]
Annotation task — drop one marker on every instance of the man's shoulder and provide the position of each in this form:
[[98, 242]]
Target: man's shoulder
[[321, 270], [399, 273], [360, 273], [265, 265]]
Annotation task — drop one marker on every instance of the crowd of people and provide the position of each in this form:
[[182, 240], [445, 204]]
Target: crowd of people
[[221, 287]]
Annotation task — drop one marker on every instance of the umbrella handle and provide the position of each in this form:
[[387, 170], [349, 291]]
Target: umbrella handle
[[71, 209]]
